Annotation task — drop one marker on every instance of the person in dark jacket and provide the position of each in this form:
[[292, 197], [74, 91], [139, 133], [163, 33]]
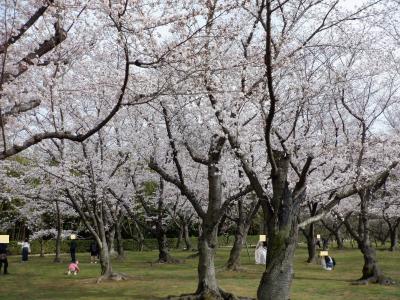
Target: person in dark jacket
[[72, 250], [94, 252], [3, 258]]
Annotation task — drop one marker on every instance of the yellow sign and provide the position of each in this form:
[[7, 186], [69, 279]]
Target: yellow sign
[[262, 238], [4, 239], [323, 253], [318, 236], [73, 237]]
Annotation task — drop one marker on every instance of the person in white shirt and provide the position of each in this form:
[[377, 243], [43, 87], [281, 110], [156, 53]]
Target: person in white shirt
[[261, 253], [26, 249]]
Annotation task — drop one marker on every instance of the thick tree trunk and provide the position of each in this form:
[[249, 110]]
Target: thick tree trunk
[[282, 235], [163, 252], [234, 255], [371, 271], [107, 272], [57, 258], [370, 268], [311, 246], [105, 261], [207, 281]]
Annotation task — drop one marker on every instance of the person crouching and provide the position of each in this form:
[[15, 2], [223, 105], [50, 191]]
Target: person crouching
[[73, 268]]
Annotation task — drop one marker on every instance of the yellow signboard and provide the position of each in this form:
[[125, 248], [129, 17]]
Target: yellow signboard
[[323, 253], [318, 236], [73, 237], [4, 239], [263, 238]]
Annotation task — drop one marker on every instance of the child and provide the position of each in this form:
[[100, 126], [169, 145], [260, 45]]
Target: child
[[73, 268]]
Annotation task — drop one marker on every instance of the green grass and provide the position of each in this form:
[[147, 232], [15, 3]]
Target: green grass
[[40, 279]]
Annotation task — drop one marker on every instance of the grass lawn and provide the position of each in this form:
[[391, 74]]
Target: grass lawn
[[41, 279]]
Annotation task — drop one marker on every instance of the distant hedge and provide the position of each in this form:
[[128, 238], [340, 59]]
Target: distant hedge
[[49, 246]]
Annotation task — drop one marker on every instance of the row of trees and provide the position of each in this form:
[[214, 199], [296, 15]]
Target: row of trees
[[205, 110]]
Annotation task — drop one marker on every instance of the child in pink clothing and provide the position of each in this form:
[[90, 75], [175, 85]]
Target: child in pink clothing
[[73, 268]]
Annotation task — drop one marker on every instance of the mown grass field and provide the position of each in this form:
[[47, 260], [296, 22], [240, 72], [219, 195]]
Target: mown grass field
[[41, 279]]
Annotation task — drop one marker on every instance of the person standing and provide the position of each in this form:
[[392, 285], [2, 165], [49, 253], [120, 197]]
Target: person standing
[[3, 258], [26, 249], [72, 250], [94, 252]]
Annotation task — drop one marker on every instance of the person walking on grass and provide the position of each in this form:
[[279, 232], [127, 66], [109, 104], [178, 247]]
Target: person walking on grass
[[26, 249], [3, 258]]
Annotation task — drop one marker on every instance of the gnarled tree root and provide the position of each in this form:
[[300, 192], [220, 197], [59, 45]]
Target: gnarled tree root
[[383, 280], [208, 295], [112, 277]]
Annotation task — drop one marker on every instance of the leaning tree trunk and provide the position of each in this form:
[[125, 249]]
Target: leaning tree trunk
[[282, 234], [241, 232], [371, 271], [57, 258]]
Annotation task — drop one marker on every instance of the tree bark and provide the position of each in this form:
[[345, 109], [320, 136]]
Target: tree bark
[[180, 237], [41, 247], [371, 271], [394, 234], [120, 241], [188, 242], [282, 234], [57, 258], [240, 239], [207, 281]]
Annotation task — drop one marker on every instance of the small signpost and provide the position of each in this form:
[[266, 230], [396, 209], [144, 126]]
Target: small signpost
[[323, 253], [4, 239], [73, 237], [262, 238], [318, 236]]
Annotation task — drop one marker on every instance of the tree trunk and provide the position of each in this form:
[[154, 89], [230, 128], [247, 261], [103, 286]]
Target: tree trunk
[[105, 261], [394, 233], [163, 251], [207, 281], [41, 247], [180, 237], [371, 271], [339, 239], [120, 241], [186, 236], [240, 238], [57, 258], [311, 245], [282, 234]]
